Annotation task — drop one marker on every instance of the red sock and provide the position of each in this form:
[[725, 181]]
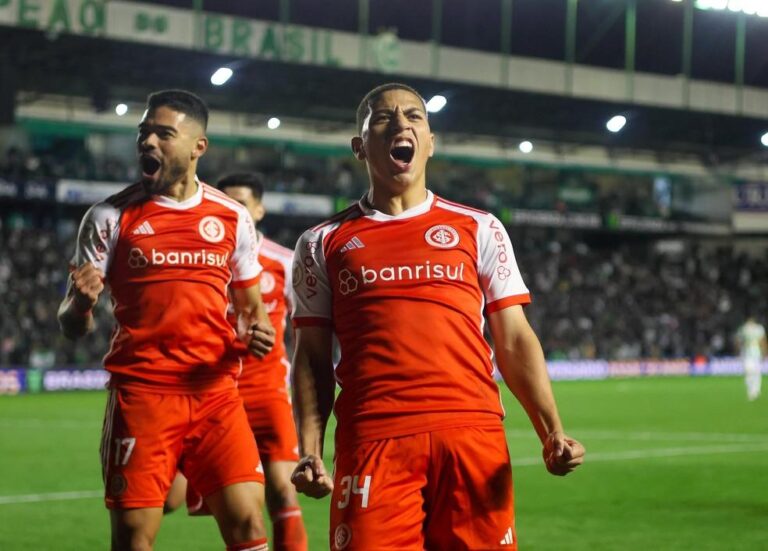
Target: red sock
[[288, 530], [253, 545]]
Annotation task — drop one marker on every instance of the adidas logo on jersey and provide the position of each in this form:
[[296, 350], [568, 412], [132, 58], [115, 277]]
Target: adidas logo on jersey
[[507, 539], [353, 243], [144, 229]]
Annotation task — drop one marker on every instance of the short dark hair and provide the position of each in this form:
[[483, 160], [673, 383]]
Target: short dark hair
[[373, 95], [183, 102], [251, 180]]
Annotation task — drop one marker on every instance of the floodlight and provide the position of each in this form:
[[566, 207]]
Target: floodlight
[[616, 123], [764, 139], [749, 7], [222, 75], [436, 104], [526, 147], [121, 109], [273, 123]]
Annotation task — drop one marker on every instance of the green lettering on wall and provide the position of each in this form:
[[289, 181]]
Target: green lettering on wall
[[28, 11], [141, 22], [213, 32], [161, 24], [314, 57], [59, 19], [328, 51], [92, 16], [241, 36], [293, 44], [269, 47]]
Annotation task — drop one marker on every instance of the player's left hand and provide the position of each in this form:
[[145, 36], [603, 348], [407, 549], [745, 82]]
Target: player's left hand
[[562, 454], [260, 338]]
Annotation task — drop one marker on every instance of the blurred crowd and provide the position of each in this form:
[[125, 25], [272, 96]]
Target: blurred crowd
[[635, 302], [486, 186], [33, 278], [626, 302]]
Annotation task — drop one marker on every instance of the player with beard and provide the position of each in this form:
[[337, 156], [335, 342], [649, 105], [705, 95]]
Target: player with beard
[[406, 280], [170, 248]]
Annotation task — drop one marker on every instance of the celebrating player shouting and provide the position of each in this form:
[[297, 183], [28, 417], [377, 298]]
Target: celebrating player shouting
[[168, 248], [404, 278]]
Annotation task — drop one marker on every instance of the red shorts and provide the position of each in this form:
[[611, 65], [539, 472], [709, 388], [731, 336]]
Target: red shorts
[[446, 489], [273, 427], [147, 436]]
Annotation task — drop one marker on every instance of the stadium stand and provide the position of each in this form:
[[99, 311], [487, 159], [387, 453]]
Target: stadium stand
[[595, 296]]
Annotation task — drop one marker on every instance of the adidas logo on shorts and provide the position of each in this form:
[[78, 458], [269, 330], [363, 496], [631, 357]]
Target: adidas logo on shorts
[[507, 539]]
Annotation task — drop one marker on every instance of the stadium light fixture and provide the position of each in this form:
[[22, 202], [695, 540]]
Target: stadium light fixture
[[273, 123], [749, 7], [436, 104], [525, 147], [616, 123], [222, 75], [764, 139], [121, 109]]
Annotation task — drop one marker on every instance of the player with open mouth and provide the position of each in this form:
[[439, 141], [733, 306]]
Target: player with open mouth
[[406, 281]]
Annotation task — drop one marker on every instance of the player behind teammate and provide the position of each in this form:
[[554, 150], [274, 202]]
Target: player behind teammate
[[403, 278], [169, 247], [753, 348], [263, 385]]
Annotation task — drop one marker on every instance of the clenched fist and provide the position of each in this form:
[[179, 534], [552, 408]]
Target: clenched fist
[[87, 285], [562, 454]]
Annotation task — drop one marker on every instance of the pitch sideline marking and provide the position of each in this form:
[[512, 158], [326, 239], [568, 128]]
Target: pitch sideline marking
[[630, 455], [596, 434], [55, 496], [627, 455], [647, 435]]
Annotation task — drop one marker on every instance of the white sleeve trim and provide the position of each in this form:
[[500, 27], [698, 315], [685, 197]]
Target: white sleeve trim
[[312, 295], [245, 258], [496, 265], [97, 237]]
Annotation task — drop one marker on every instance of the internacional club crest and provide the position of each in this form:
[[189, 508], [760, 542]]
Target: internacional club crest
[[117, 485], [442, 236], [211, 229], [267, 283], [342, 536]]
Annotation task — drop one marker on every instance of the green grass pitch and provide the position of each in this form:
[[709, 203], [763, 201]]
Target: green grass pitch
[[672, 463]]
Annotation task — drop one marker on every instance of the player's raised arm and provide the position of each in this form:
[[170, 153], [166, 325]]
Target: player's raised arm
[[93, 252], [313, 386], [521, 363], [76, 310], [253, 325]]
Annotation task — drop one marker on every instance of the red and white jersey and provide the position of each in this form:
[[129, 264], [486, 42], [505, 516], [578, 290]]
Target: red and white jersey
[[168, 266], [405, 296], [267, 378]]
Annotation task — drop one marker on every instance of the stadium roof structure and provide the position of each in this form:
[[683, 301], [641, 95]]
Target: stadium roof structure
[[689, 81]]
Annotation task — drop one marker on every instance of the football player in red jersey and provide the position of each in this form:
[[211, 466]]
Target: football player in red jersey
[[263, 385], [170, 248], [406, 281]]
